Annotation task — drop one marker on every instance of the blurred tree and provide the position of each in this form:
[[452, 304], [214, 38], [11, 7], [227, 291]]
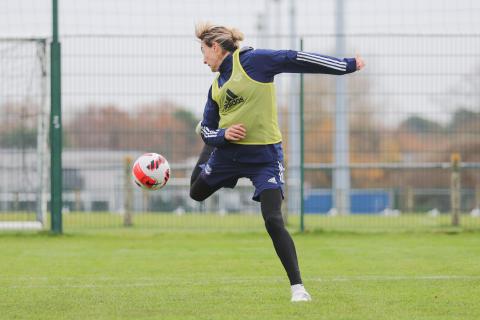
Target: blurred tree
[[19, 138], [366, 131], [18, 125], [465, 121], [163, 128], [416, 124]]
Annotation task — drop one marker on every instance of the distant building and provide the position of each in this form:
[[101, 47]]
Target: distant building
[[95, 180]]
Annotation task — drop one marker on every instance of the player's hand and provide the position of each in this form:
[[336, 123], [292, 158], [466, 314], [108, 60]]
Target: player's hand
[[235, 132], [360, 62]]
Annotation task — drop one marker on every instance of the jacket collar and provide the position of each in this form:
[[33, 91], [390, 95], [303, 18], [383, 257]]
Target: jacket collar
[[226, 64]]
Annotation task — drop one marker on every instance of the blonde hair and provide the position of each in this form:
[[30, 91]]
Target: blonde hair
[[228, 38]]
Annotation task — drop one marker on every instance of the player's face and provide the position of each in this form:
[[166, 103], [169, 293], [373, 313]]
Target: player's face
[[212, 56]]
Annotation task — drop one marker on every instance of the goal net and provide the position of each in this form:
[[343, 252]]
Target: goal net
[[23, 133]]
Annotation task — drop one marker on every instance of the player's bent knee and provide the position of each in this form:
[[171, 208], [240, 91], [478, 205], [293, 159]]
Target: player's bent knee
[[274, 223], [201, 190], [197, 197]]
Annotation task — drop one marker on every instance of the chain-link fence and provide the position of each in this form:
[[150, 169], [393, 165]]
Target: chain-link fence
[[129, 92]]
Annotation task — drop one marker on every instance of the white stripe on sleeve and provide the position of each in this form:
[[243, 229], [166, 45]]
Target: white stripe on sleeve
[[207, 133], [326, 62]]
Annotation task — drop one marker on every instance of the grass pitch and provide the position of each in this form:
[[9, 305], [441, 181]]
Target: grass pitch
[[142, 273], [252, 222]]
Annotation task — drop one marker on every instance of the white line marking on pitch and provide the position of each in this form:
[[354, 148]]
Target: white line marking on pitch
[[154, 282], [394, 278]]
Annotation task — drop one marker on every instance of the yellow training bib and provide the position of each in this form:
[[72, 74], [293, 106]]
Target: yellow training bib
[[244, 100]]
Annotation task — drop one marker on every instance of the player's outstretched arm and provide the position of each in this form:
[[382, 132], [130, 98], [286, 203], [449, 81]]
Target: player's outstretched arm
[[263, 64]]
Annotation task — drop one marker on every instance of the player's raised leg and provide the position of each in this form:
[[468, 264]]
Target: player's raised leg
[[199, 189]]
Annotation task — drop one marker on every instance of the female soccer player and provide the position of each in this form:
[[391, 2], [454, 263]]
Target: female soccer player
[[240, 127]]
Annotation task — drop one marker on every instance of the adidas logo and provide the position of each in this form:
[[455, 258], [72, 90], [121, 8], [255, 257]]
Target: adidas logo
[[232, 99], [272, 180]]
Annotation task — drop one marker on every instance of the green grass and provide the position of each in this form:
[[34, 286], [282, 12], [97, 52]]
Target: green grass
[[81, 221], [140, 273]]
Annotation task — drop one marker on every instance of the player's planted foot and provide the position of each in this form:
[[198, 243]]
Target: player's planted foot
[[299, 293]]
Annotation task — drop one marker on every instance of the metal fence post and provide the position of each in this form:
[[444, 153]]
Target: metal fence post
[[477, 196], [455, 189], [302, 150], [128, 194], [56, 182], [410, 199]]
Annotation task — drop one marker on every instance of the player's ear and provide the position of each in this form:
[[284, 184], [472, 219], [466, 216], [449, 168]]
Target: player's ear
[[217, 47]]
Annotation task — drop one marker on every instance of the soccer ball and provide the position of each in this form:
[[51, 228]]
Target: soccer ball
[[151, 171]]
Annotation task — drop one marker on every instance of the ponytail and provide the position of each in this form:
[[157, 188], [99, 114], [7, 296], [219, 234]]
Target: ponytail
[[228, 38]]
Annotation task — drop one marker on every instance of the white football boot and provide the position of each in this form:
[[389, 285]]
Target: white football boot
[[299, 293]]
